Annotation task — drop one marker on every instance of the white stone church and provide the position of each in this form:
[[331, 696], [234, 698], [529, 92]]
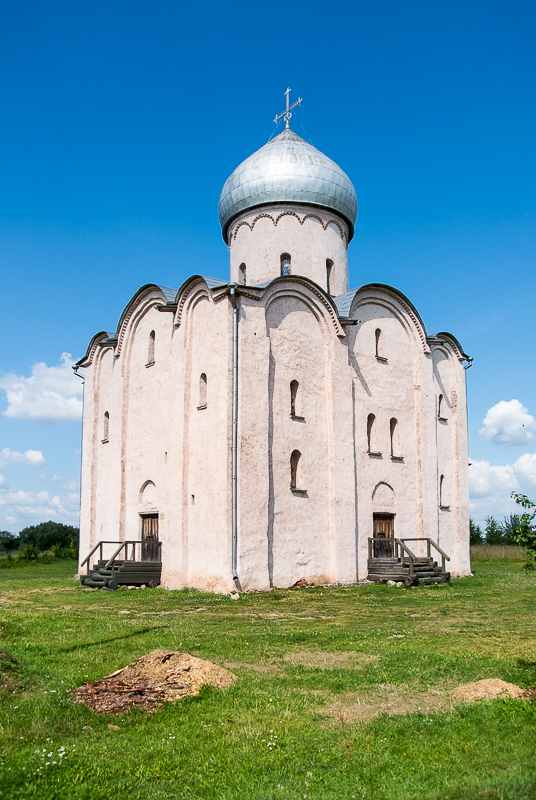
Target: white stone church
[[263, 429]]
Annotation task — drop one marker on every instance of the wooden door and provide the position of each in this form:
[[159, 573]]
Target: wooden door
[[150, 550], [383, 529]]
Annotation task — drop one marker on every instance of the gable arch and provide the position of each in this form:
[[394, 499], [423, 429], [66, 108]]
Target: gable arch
[[190, 293], [149, 296], [395, 302], [310, 294]]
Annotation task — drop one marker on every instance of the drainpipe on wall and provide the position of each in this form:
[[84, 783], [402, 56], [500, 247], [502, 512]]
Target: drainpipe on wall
[[234, 438]]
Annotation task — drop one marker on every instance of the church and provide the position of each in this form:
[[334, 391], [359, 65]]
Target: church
[[272, 428]]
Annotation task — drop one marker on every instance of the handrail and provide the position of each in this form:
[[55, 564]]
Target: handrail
[[122, 545], [431, 543], [398, 546], [99, 544]]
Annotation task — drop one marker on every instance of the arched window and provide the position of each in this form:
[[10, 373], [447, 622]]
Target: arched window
[[202, 391], [329, 270], [285, 264], [372, 444], [379, 344], [294, 459], [441, 409], [442, 502], [150, 349], [293, 398], [395, 438], [106, 427], [242, 274]]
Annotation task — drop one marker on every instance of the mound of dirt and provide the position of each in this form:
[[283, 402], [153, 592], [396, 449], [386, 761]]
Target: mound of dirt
[[486, 690], [160, 676]]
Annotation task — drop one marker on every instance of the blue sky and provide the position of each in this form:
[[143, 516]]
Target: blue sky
[[119, 123]]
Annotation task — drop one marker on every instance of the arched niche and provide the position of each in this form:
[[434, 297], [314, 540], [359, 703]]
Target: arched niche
[[148, 496], [383, 495]]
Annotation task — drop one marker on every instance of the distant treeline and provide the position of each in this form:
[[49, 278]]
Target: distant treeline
[[47, 536], [495, 532]]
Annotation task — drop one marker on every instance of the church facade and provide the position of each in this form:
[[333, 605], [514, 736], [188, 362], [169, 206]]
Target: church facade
[[265, 427]]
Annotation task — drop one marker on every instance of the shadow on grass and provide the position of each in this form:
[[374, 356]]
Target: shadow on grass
[[72, 647]]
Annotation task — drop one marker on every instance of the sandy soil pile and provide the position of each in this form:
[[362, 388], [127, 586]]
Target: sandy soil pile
[[160, 676], [487, 690]]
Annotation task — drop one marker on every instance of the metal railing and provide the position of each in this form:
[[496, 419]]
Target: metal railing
[[122, 545]]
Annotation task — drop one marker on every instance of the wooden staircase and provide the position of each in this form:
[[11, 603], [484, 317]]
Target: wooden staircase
[[390, 559], [114, 572]]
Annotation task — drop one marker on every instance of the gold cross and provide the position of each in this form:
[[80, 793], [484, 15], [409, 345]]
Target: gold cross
[[286, 113]]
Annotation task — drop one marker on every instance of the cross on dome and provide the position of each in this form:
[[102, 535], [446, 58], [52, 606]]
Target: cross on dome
[[286, 113]]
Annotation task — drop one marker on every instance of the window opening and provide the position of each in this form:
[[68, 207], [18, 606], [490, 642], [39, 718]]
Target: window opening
[[285, 264], [242, 274], [294, 460], [379, 345], [372, 444], [294, 401], [105, 427], [329, 269], [395, 440], [442, 493], [150, 350], [202, 391], [441, 409]]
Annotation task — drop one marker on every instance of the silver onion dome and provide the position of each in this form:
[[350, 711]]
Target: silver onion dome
[[287, 170]]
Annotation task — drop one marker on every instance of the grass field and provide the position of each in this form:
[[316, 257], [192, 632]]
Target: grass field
[[341, 692]]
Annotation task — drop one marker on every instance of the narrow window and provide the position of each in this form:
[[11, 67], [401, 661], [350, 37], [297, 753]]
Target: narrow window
[[285, 264], [105, 427], [379, 345], [372, 445], [442, 494], [293, 398], [202, 391], [294, 459], [242, 274], [329, 269], [150, 349], [441, 409], [395, 439]]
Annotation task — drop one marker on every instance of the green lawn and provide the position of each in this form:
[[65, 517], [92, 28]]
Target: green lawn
[[342, 692]]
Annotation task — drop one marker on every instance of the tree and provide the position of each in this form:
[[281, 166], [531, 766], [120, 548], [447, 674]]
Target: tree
[[49, 533], [511, 526], [8, 541], [475, 533], [494, 531], [526, 533]]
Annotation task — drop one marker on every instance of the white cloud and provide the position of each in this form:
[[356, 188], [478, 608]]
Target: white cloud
[[525, 468], [20, 508], [490, 486], [486, 480], [509, 422], [57, 478], [33, 457], [50, 394]]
